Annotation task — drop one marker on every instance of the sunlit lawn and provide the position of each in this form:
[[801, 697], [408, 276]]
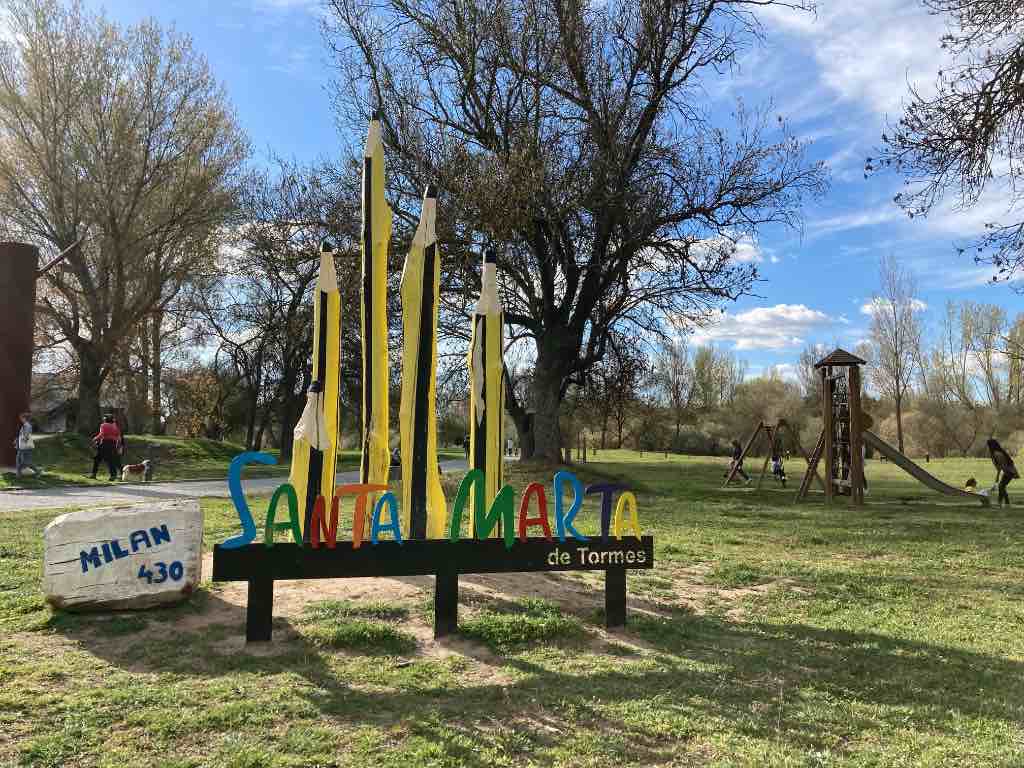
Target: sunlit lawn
[[768, 634]]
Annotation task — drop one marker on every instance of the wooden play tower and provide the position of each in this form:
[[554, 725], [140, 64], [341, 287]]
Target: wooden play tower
[[840, 442]]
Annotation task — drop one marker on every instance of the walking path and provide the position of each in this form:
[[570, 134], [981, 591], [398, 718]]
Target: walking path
[[137, 493]]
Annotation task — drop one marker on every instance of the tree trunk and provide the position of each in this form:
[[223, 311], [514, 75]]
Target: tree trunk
[[252, 397], [289, 415], [899, 423], [547, 436], [604, 432], [257, 442], [137, 387], [90, 381], [155, 372]]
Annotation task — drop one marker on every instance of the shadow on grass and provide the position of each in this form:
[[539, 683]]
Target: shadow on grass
[[755, 676]]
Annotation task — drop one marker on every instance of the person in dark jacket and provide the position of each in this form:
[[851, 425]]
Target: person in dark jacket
[[737, 461], [1005, 469], [107, 442]]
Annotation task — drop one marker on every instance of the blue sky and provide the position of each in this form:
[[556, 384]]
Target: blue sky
[[835, 77]]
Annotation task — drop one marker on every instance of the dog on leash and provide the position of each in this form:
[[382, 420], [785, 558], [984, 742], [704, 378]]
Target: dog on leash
[[143, 470]]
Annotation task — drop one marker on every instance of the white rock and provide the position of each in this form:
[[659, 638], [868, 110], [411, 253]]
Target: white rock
[[123, 557]]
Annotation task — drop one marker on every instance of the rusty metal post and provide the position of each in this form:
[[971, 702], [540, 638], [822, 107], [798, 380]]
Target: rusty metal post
[[18, 265]]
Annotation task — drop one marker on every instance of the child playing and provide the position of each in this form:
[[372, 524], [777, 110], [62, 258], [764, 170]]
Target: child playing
[[1005, 469], [737, 462], [24, 444], [778, 470]]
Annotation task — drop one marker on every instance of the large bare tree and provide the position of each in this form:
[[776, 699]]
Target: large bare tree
[[895, 336], [575, 136], [967, 137], [120, 136], [260, 313]]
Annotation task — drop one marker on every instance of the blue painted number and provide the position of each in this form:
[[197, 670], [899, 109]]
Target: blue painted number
[[175, 570]]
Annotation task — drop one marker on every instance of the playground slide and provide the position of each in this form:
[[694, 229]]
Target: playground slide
[[912, 469]]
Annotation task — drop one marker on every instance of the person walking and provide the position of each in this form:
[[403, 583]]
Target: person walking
[[465, 444], [24, 444], [1006, 470], [107, 442], [737, 461]]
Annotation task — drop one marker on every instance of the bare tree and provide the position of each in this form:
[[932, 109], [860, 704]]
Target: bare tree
[[984, 328], [674, 380], [807, 376], [120, 135], [895, 336], [261, 311], [614, 384], [968, 137], [1014, 346], [573, 134]]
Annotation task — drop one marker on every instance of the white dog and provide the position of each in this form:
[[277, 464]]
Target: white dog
[[143, 471]]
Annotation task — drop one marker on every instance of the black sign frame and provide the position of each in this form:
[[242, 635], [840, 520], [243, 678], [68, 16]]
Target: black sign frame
[[261, 566]]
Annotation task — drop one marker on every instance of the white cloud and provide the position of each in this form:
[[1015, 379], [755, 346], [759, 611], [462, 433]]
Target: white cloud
[[785, 371], [747, 251], [293, 62], [6, 27], [744, 249], [855, 220], [783, 326], [869, 308], [868, 51]]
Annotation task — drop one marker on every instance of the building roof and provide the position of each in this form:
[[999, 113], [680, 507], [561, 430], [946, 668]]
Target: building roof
[[839, 357]]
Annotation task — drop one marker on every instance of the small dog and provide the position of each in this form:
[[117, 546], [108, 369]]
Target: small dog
[[971, 486], [143, 470]]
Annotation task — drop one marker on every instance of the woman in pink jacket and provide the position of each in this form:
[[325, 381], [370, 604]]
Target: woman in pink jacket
[[107, 441]]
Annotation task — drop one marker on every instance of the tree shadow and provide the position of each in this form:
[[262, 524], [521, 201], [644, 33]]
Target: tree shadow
[[753, 676]]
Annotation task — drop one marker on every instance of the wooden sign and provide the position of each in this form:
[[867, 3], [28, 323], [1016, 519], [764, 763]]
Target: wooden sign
[[261, 565], [123, 557]]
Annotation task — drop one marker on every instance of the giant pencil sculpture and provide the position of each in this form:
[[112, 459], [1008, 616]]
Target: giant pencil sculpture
[[376, 455], [486, 393], [423, 504], [316, 435]]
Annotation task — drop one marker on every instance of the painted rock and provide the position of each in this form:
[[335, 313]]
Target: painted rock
[[123, 557]]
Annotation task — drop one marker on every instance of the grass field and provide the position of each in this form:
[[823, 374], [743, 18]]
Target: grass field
[[67, 459], [767, 635]]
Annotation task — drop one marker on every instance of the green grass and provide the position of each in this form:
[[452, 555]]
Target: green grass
[[66, 459], [767, 635], [521, 624]]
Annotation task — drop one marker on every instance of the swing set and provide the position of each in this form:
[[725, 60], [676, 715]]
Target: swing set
[[774, 436]]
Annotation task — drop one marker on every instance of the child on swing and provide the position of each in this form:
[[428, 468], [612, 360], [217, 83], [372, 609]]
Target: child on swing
[[778, 470]]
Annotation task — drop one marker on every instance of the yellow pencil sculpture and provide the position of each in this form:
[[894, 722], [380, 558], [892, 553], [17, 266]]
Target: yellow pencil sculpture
[[314, 453], [423, 504], [486, 390], [376, 455]]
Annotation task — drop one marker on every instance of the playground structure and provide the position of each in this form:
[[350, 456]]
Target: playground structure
[[844, 435], [774, 435]]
